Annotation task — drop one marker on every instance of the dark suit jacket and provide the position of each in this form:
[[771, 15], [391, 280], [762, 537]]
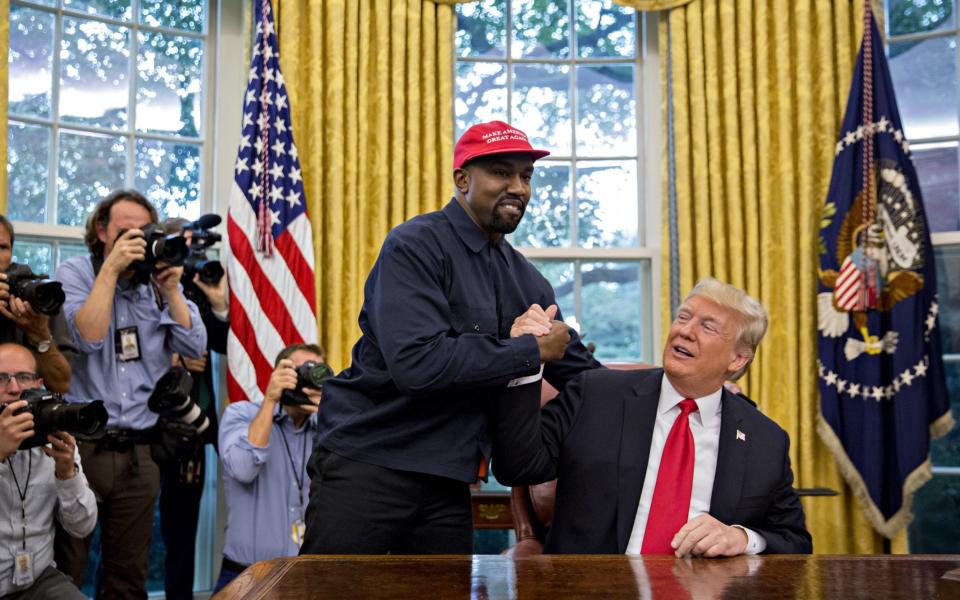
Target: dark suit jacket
[[595, 440]]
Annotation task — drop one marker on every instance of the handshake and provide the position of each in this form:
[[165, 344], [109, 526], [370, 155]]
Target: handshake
[[552, 335]]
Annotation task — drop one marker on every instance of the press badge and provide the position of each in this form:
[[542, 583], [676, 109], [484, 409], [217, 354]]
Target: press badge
[[128, 344], [23, 569], [297, 529]]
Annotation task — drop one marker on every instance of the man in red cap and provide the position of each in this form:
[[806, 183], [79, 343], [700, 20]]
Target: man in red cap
[[403, 430]]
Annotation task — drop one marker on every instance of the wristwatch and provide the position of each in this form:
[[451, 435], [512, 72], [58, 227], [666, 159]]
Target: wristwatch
[[43, 346]]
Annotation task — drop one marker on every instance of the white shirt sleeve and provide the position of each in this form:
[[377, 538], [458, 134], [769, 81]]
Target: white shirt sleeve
[[755, 542]]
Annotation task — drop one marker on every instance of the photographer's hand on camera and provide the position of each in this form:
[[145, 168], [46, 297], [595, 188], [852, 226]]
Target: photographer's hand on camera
[[129, 248], [194, 365], [284, 377], [167, 280], [14, 428], [216, 293], [61, 450]]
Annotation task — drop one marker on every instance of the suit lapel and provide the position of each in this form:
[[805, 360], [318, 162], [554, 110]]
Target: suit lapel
[[639, 417], [735, 440]]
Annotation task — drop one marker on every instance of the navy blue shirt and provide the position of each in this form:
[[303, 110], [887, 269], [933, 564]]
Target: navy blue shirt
[[438, 306]]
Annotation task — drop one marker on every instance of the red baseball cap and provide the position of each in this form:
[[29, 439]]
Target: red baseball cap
[[495, 137]]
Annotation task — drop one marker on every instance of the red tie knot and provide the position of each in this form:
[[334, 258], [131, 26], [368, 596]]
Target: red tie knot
[[688, 406]]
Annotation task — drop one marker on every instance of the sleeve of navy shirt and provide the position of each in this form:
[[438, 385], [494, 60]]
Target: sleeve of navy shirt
[[410, 319]]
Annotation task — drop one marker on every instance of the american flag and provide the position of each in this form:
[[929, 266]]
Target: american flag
[[270, 255]]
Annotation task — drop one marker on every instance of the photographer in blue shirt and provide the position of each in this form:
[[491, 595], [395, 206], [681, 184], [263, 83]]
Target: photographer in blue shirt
[[264, 446]]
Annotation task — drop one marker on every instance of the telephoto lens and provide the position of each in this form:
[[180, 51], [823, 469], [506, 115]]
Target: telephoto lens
[[44, 295], [52, 413], [171, 400]]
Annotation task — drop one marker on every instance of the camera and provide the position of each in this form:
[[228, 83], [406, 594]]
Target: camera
[[52, 413], [310, 374], [171, 400], [197, 262], [44, 295], [171, 249]]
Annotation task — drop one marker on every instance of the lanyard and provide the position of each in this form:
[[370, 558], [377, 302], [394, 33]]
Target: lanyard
[[300, 477], [23, 494]]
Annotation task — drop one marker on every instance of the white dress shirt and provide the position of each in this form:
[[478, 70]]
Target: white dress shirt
[[705, 426]]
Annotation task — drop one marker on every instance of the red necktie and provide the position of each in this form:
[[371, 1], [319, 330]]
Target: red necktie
[[671, 496]]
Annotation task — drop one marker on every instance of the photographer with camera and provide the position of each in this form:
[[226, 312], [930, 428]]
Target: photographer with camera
[[43, 481], [32, 326], [127, 315], [264, 447], [181, 482]]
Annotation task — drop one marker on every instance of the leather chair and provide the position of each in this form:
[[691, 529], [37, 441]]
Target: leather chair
[[532, 505]]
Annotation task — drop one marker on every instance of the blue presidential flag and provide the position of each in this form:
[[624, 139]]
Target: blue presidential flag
[[883, 394]]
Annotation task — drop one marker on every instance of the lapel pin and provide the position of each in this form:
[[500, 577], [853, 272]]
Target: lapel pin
[[741, 436]]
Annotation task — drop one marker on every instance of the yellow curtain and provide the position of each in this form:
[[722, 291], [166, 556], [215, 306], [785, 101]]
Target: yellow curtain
[[370, 85], [4, 97], [758, 92]]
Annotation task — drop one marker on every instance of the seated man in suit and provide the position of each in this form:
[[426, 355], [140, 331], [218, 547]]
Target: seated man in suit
[[661, 461]]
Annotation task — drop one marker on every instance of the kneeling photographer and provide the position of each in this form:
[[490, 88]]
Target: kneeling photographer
[[264, 447], [30, 313], [181, 480], [44, 480]]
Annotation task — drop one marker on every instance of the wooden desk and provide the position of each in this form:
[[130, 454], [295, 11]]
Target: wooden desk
[[551, 577]]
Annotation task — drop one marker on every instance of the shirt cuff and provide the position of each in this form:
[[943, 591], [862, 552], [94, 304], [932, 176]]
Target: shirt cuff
[[755, 542], [70, 489], [526, 380], [222, 315]]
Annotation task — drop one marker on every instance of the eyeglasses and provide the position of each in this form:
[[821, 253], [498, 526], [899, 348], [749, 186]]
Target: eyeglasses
[[23, 378]]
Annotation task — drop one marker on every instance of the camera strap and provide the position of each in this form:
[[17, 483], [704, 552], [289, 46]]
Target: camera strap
[[22, 494], [301, 476]]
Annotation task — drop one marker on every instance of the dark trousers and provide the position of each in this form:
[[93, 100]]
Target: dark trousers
[[51, 583], [126, 492], [181, 487], [359, 508]]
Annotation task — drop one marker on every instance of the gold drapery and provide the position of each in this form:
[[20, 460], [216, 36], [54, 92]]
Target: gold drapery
[[371, 101], [4, 97], [758, 93]]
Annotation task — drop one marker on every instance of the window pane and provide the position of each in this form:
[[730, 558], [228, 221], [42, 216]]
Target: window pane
[[95, 59], [66, 251], [116, 9], [168, 174], [945, 451], [937, 168], [605, 29], [925, 77], [607, 204], [30, 61], [481, 94], [169, 78], [540, 29], [481, 29], [28, 158], [90, 167], [546, 222], [541, 105], [560, 274], [936, 517], [606, 111], [180, 14], [915, 16], [39, 255], [948, 291], [612, 309]]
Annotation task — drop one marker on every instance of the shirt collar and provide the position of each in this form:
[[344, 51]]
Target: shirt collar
[[708, 407], [472, 236]]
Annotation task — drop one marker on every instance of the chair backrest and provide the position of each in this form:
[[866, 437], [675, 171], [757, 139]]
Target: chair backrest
[[532, 506]]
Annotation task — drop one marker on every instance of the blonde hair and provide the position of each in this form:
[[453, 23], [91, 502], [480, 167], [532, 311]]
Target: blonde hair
[[753, 316]]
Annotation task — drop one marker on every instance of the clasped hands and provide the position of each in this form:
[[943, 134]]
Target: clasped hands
[[552, 335]]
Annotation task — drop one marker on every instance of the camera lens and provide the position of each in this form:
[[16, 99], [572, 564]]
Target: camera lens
[[311, 374], [211, 271], [44, 296]]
